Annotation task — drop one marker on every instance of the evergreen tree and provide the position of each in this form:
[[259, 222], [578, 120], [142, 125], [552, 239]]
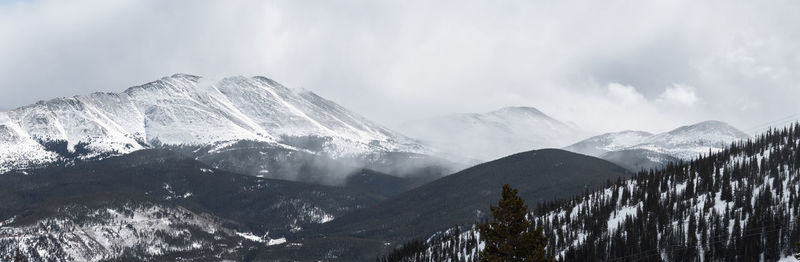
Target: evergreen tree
[[797, 249], [18, 256], [511, 237]]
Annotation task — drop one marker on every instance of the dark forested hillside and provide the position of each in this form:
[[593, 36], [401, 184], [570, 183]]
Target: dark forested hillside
[[740, 204], [463, 197], [157, 204]]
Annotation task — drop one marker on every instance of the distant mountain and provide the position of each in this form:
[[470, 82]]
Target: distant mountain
[[609, 142], [688, 142], [495, 134], [215, 121], [637, 149]]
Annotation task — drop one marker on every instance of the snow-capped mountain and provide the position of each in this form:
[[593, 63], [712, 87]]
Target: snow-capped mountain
[[494, 134], [599, 145], [186, 110], [638, 149], [688, 142]]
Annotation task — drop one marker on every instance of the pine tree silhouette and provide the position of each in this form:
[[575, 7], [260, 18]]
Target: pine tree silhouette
[[18, 256], [510, 236]]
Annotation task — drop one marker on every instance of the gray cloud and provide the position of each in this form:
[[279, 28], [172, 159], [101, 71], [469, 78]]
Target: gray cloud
[[604, 65]]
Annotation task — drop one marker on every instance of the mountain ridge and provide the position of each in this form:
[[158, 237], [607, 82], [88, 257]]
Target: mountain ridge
[[637, 150], [188, 110]]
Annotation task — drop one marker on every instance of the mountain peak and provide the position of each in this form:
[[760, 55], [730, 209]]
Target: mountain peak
[[714, 124], [184, 75], [601, 144], [711, 127], [649, 150], [633, 132], [184, 109], [709, 124], [517, 110]]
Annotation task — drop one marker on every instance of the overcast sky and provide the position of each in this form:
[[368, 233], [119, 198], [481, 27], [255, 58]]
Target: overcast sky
[[604, 65]]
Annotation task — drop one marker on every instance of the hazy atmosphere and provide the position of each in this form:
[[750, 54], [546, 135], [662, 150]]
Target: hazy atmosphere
[[399, 131], [586, 62]]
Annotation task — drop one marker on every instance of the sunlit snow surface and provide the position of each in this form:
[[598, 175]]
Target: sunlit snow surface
[[18, 149], [186, 110], [268, 241]]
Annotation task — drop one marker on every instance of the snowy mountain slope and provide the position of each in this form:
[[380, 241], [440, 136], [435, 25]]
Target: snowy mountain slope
[[599, 145], [19, 148], [637, 149], [687, 142], [186, 110], [494, 134]]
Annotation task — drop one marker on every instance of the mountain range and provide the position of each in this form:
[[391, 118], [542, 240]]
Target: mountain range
[[282, 131], [246, 169], [638, 150]]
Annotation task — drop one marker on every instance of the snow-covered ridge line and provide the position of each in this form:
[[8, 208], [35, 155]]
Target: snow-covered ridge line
[[184, 109], [686, 142]]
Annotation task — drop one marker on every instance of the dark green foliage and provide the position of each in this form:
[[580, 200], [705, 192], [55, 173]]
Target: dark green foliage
[[61, 147], [411, 251], [510, 236], [18, 256], [449, 245], [681, 212], [797, 250]]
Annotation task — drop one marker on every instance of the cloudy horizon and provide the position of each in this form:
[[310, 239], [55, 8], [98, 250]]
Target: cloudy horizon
[[607, 66]]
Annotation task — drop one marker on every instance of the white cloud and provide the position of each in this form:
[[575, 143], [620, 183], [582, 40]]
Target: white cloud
[[625, 94], [399, 60], [679, 94]]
